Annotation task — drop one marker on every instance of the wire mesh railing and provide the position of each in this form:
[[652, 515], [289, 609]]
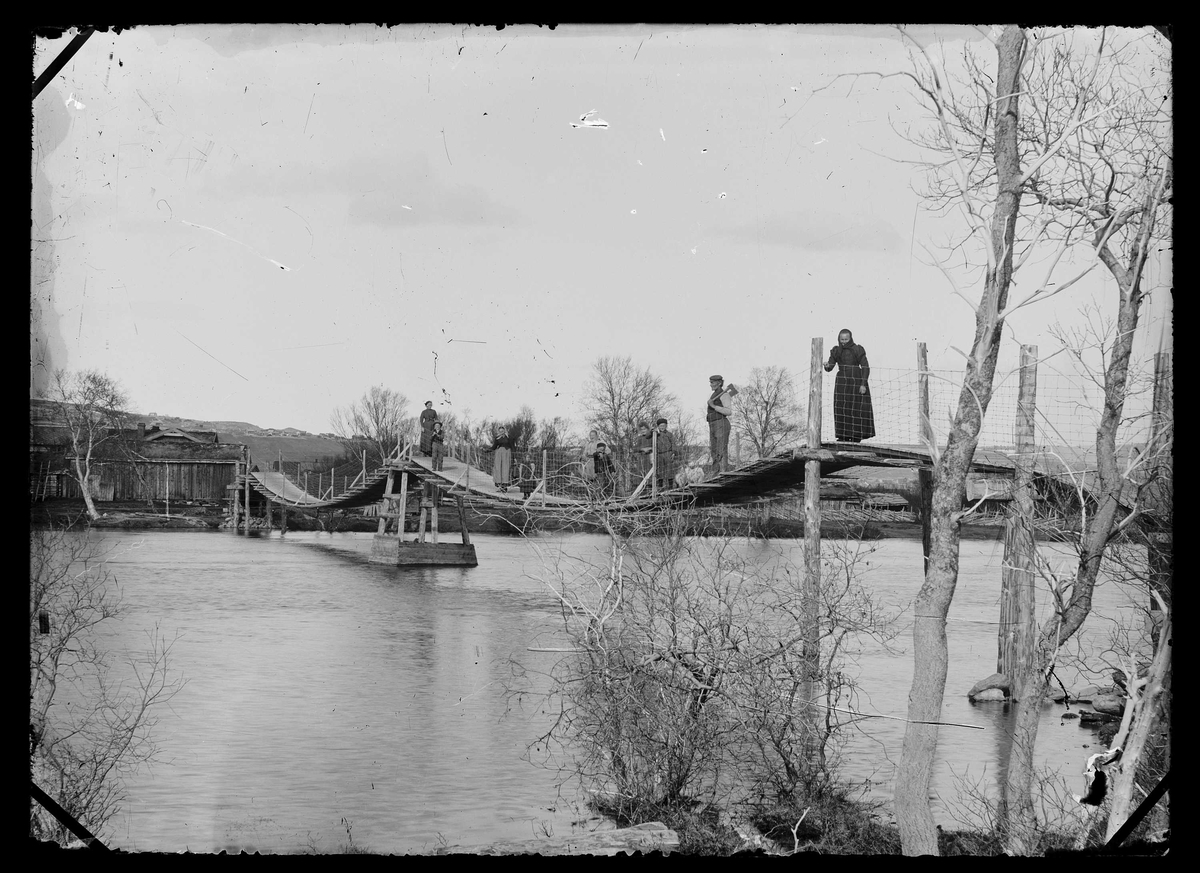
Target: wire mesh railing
[[321, 481], [1067, 407], [566, 470], [1067, 412]]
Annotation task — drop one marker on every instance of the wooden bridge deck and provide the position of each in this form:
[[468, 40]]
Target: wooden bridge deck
[[783, 472]]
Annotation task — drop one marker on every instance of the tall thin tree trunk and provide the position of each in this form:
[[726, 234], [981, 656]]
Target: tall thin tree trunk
[[82, 474], [1021, 826], [914, 814], [1149, 712]]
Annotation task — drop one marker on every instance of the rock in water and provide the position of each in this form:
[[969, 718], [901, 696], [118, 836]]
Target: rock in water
[[995, 682], [1109, 704]]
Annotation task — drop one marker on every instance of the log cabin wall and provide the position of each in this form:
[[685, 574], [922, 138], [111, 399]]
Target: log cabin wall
[[158, 480]]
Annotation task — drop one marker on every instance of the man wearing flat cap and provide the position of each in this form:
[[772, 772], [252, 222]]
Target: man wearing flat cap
[[717, 412]]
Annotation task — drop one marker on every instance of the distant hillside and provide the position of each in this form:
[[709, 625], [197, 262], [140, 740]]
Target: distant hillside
[[44, 410], [239, 428]]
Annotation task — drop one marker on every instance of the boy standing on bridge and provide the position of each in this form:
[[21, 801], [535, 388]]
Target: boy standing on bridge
[[437, 443]]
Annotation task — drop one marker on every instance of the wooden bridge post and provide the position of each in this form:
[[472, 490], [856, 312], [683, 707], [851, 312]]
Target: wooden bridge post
[[248, 478], [925, 474], [462, 520], [1017, 617], [386, 506], [810, 616], [237, 498], [402, 506], [421, 519], [435, 496]]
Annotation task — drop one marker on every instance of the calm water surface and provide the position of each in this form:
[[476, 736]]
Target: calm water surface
[[322, 690]]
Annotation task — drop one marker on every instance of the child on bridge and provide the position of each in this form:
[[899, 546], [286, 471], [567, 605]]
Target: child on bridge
[[437, 444]]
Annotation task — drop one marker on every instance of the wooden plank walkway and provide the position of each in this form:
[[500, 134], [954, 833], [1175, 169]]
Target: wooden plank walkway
[[465, 477], [783, 472], [284, 489]]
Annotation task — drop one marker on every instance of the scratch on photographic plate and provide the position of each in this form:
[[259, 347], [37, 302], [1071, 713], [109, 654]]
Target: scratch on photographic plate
[[240, 243], [222, 363], [305, 220]]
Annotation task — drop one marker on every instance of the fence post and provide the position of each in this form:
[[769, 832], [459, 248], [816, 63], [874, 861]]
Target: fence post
[[812, 549], [654, 462], [545, 477], [248, 477], [1017, 616], [925, 429]]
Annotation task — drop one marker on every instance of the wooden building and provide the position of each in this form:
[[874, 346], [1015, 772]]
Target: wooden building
[[154, 464]]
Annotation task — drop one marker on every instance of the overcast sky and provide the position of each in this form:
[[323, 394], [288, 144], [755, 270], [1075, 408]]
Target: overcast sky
[[258, 223]]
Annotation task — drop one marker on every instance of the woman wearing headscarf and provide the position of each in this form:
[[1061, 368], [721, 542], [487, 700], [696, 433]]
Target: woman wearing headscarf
[[502, 460], [853, 414]]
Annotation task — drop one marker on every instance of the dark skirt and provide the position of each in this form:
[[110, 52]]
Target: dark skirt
[[853, 415]]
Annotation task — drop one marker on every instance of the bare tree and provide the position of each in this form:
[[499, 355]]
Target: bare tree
[[1084, 164], [619, 395], [556, 432], [996, 238], [522, 429], [380, 416], [1094, 140], [86, 729], [683, 670], [767, 413], [91, 406]]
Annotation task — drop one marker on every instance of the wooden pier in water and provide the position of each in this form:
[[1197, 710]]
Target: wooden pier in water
[[395, 549]]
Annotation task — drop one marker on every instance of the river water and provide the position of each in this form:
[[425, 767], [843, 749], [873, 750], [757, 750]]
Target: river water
[[327, 694]]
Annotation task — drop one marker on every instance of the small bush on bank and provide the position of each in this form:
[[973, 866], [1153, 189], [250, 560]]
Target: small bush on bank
[[829, 821]]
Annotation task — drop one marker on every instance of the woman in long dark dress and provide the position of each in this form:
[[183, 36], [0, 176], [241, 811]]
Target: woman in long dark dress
[[853, 415], [428, 417], [502, 461]]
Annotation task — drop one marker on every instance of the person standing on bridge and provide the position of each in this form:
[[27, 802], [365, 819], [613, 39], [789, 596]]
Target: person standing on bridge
[[502, 460], [664, 458], [437, 442], [428, 417], [605, 483], [717, 412], [643, 449], [853, 414], [589, 451]]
